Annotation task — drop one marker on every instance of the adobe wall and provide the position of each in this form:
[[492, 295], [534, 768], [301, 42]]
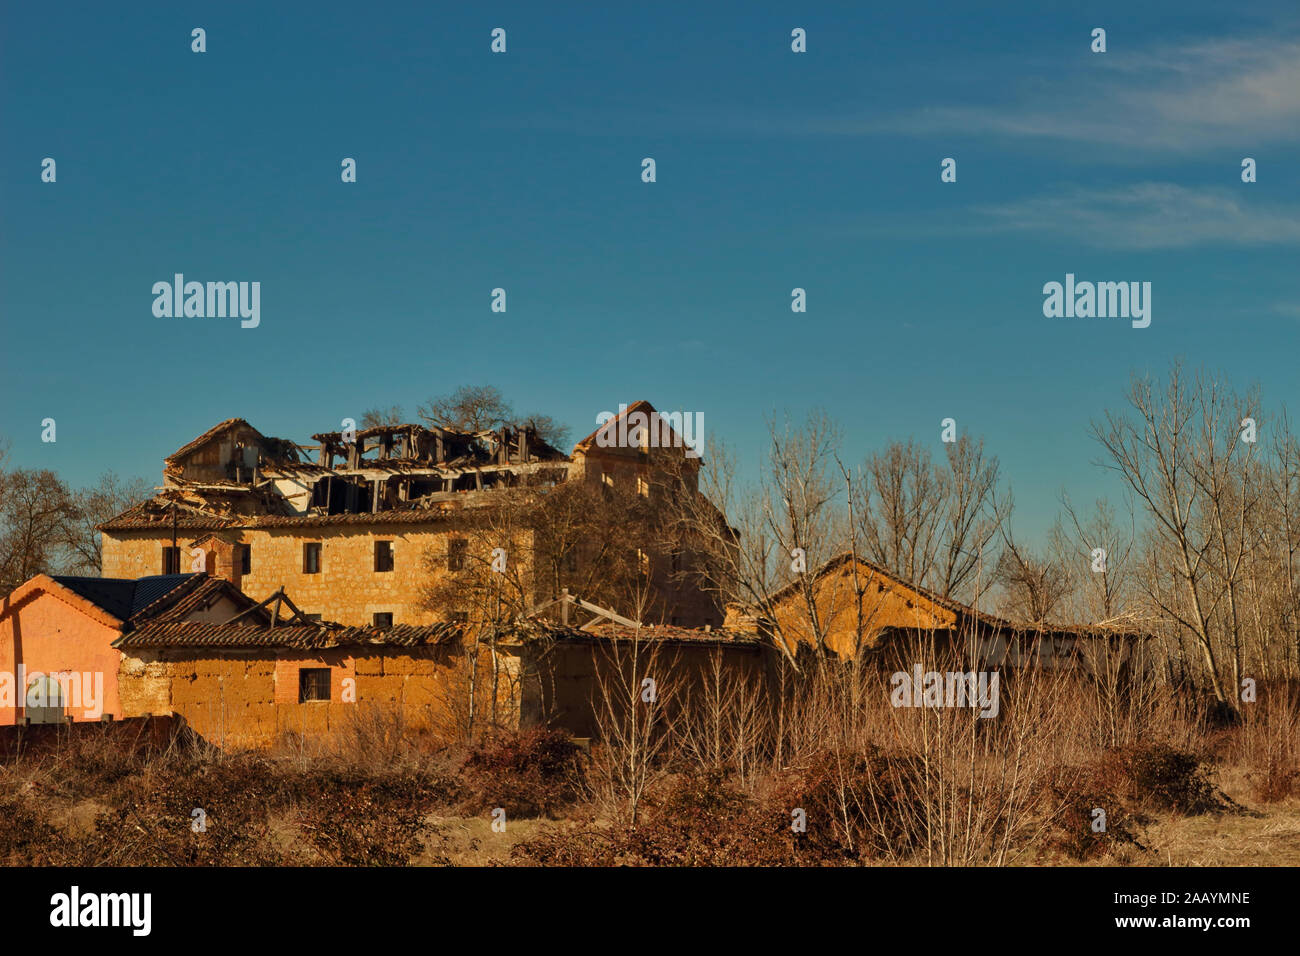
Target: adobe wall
[[250, 698], [884, 605]]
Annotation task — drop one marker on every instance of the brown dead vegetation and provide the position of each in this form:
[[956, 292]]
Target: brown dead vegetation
[[890, 787]]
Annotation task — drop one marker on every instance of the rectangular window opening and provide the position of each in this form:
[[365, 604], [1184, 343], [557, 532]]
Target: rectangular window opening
[[313, 684]]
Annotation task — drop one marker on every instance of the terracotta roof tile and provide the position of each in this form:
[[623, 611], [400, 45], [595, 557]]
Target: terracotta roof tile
[[206, 590], [182, 634]]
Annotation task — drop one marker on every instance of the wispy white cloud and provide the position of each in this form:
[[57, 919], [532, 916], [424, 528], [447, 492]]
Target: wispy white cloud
[[1146, 216], [1235, 93]]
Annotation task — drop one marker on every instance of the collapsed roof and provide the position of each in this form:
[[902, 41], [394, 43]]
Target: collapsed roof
[[234, 476]]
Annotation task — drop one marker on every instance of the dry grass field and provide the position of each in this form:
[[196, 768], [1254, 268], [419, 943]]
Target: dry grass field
[[847, 785]]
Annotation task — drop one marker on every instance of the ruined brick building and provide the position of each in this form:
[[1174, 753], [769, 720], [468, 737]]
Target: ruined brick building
[[270, 587], [356, 526]]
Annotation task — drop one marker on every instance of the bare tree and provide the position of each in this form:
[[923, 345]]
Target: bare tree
[[476, 408], [720, 723], [1096, 554], [900, 528], [1180, 450], [482, 577], [635, 683], [375, 417], [1280, 530], [751, 542], [1034, 586], [535, 541], [91, 507], [34, 510], [470, 408], [935, 524]]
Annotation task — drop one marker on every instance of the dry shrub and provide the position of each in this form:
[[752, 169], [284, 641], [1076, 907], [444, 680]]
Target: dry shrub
[[90, 759], [530, 774], [344, 816], [379, 740], [1268, 743], [858, 805], [152, 824], [700, 821], [1168, 778], [1274, 777], [355, 820], [1078, 792], [26, 837]]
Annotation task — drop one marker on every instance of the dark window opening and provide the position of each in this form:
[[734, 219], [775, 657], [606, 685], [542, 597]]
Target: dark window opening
[[458, 617], [316, 618], [311, 558], [383, 555], [422, 487], [313, 684], [338, 495], [245, 558], [384, 619], [171, 560], [457, 548]]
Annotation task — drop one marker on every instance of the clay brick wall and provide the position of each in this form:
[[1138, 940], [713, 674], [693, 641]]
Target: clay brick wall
[[137, 554], [46, 635], [144, 684], [885, 604], [347, 588], [250, 698]]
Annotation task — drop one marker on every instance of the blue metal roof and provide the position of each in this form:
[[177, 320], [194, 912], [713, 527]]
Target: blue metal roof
[[123, 597]]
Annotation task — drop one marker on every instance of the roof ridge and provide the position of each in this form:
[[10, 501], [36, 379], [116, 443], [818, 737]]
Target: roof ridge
[[210, 433]]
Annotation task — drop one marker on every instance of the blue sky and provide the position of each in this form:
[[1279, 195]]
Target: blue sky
[[775, 170]]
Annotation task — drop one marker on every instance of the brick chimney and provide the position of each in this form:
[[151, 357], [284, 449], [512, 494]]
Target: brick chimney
[[222, 560]]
